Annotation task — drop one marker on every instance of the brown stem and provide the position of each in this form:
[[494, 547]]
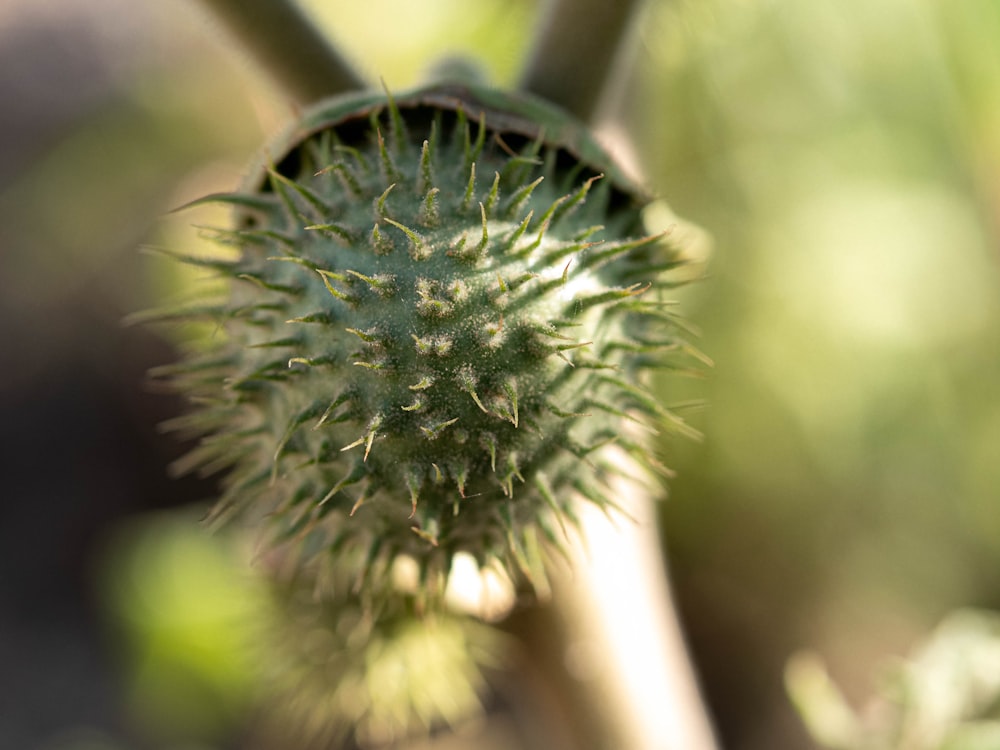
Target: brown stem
[[289, 47], [575, 50]]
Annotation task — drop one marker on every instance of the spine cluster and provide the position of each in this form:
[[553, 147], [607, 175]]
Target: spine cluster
[[434, 325]]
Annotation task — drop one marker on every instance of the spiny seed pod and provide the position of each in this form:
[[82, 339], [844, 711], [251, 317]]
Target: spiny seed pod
[[441, 311], [338, 667]]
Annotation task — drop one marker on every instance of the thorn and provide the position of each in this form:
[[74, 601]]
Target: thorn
[[510, 388], [424, 345], [434, 430], [490, 443], [304, 262], [389, 170], [567, 347], [514, 546], [380, 243], [494, 194], [442, 345], [562, 414], [371, 438], [546, 219], [544, 227], [397, 126], [367, 336], [472, 151], [366, 439], [326, 276], [291, 291], [353, 477], [458, 249], [346, 177], [300, 419], [519, 165], [485, 238], [415, 406], [425, 179], [280, 184], [226, 267], [433, 308], [569, 248], [427, 536], [468, 383], [425, 382], [381, 283], [618, 249], [494, 331], [587, 233], [574, 200], [370, 365], [461, 476], [507, 485], [430, 214], [316, 317], [504, 147], [380, 201], [541, 484], [413, 482], [469, 190], [341, 233], [342, 399], [358, 503], [516, 235], [461, 125], [519, 198], [613, 295], [515, 470], [253, 201], [458, 290], [419, 249]]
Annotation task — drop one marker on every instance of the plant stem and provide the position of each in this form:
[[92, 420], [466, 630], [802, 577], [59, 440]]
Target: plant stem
[[287, 45], [618, 612], [574, 52]]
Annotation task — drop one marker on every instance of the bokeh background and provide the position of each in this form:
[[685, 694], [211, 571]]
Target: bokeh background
[[845, 157]]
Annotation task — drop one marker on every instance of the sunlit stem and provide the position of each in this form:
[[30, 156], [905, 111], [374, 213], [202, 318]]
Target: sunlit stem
[[286, 44], [617, 608], [575, 50]]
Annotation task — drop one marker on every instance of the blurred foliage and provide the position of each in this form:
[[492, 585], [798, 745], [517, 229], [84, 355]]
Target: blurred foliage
[[844, 154], [945, 697], [183, 603]]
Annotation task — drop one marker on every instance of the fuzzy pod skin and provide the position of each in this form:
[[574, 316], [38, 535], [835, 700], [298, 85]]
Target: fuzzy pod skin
[[443, 307]]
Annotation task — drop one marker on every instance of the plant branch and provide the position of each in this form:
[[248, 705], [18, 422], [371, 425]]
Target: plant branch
[[616, 603], [575, 50], [287, 45]]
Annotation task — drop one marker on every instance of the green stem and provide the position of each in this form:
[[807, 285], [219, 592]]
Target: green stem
[[575, 50], [289, 47]]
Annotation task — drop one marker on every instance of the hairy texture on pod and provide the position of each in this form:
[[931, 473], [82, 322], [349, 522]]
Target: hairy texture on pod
[[441, 311]]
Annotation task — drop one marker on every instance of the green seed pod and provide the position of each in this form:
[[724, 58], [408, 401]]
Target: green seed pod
[[441, 311], [368, 668]]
